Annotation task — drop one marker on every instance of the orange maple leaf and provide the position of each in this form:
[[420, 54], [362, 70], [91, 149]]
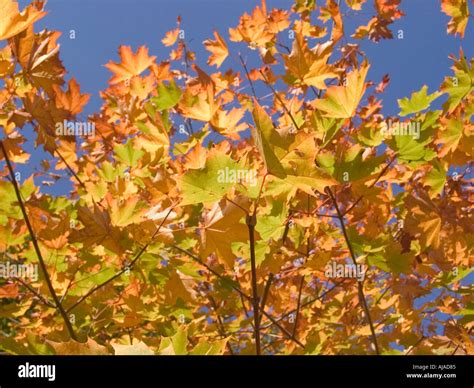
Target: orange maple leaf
[[458, 10], [72, 100], [12, 21], [218, 49], [131, 65], [171, 37]]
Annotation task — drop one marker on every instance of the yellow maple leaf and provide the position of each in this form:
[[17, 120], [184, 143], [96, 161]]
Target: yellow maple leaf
[[342, 101], [221, 227]]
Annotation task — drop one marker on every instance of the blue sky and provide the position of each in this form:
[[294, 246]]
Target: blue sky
[[101, 26]]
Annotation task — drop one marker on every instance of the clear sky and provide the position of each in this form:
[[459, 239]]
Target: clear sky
[[101, 26]]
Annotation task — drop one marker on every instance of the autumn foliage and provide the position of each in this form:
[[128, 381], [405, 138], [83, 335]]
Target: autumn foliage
[[206, 207]]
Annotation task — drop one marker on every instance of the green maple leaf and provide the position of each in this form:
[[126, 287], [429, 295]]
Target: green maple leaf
[[168, 96], [267, 139], [436, 178], [460, 85], [419, 101], [127, 153], [290, 158], [204, 185], [414, 151], [175, 345]]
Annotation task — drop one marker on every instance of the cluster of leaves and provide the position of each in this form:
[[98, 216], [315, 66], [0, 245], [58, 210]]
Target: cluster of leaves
[[152, 253]]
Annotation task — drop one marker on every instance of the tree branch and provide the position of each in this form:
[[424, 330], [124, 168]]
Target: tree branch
[[241, 293], [359, 284], [42, 263], [36, 293], [298, 306], [251, 222], [266, 292]]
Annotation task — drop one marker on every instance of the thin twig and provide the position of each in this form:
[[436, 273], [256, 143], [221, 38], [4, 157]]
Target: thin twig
[[382, 173], [280, 100], [36, 293], [248, 76], [220, 325], [125, 269]]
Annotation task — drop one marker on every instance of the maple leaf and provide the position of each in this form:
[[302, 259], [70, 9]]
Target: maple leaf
[[461, 85], [13, 22], [449, 135], [168, 95], [377, 28], [338, 28], [218, 49], [259, 28], [419, 101], [171, 37], [97, 229], [388, 9], [308, 66], [342, 101], [458, 10], [436, 178], [201, 107], [9, 291], [131, 64], [289, 157], [138, 348], [73, 347], [175, 289], [423, 220], [227, 122], [355, 4], [38, 54], [220, 229], [72, 100], [265, 136], [204, 185]]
